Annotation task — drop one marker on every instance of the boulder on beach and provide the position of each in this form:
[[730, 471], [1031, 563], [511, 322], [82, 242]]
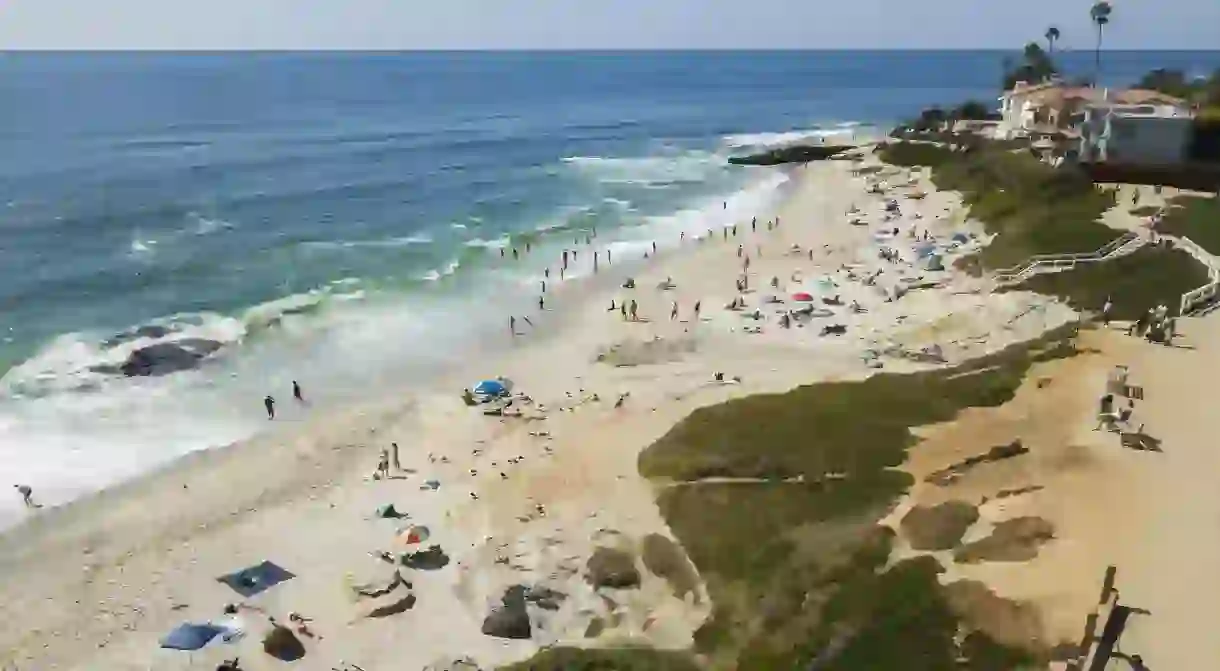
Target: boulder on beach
[[511, 618], [611, 567], [168, 357]]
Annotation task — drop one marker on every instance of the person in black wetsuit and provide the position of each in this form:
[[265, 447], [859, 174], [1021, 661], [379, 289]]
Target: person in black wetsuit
[[296, 392], [269, 404]]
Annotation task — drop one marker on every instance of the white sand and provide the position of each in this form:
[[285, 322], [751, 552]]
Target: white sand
[[95, 584]]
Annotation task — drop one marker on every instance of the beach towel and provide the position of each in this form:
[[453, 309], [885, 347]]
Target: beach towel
[[256, 579], [188, 636]]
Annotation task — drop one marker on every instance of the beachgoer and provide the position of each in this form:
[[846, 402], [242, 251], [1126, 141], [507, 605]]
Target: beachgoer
[[546, 272], [514, 253], [394, 457], [565, 258], [608, 257], [634, 310], [27, 495], [777, 222], [296, 392], [725, 230], [754, 224], [698, 304], [383, 464], [595, 255], [740, 250], [501, 252], [543, 285], [612, 307], [541, 303], [726, 205], [623, 309], [269, 404], [654, 246], [512, 325], [1106, 310], [673, 311], [734, 229]]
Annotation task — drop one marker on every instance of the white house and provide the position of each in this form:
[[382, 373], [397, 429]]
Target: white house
[[1135, 134], [1018, 106]]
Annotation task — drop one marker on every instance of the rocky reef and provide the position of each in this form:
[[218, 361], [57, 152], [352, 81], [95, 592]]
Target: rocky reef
[[792, 154]]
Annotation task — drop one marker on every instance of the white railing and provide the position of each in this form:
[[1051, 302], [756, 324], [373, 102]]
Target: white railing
[[1207, 293], [1046, 263]]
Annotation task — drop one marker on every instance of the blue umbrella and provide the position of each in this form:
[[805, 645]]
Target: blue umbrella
[[490, 388], [189, 636]]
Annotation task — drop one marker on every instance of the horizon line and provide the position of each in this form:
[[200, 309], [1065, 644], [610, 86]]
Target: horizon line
[[604, 50]]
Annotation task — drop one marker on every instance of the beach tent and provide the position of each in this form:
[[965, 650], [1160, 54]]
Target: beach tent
[[802, 296], [189, 636], [416, 533], [490, 388], [256, 579]]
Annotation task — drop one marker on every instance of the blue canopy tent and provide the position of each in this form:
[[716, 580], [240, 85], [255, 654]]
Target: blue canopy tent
[[490, 388], [255, 579], [189, 637]]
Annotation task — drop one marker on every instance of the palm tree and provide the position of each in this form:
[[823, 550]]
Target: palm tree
[[1052, 36], [1100, 13]]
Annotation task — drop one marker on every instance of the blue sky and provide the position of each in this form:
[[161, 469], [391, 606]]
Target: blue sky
[[567, 24]]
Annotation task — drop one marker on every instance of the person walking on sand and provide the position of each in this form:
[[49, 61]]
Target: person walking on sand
[[296, 392], [269, 404], [27, 495], [608, 259], [654, 246], [595, 256], [383, 465], [512, 325], [1105, 312], [635, 316], [622, 308], [698, 304], [541, 303], [673, 311], [394, 457], [740, 250], [543, 285]]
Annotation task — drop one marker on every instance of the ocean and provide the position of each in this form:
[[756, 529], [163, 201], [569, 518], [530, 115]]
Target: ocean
[[338, 218]]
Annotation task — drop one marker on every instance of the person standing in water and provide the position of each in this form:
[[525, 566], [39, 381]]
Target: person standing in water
[[269, 404], [296, 392]]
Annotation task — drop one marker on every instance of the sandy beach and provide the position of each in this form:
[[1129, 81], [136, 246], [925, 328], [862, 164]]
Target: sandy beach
[[526, 499]]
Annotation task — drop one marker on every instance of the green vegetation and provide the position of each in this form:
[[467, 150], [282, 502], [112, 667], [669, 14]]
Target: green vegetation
[[1034, 66], [1196, 218], [619, 659], [1203, 90], [1032, 207], [795, 562], [1135, 283], [792, 562], [1036, 209]]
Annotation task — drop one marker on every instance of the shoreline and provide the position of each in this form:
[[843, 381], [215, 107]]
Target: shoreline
[[671, 384]]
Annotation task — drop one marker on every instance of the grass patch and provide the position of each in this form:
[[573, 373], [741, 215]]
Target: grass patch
[[795, 567], [1195, 218], [1032, 207], [617, 659], [1135, 283]]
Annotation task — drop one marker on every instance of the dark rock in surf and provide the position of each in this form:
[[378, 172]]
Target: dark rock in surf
[[793, 154], [169, 357]]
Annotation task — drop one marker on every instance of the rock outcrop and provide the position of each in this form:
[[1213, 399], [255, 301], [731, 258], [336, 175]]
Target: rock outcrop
[[168, 357], [614, 568], [511, 619], [793, 154]]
